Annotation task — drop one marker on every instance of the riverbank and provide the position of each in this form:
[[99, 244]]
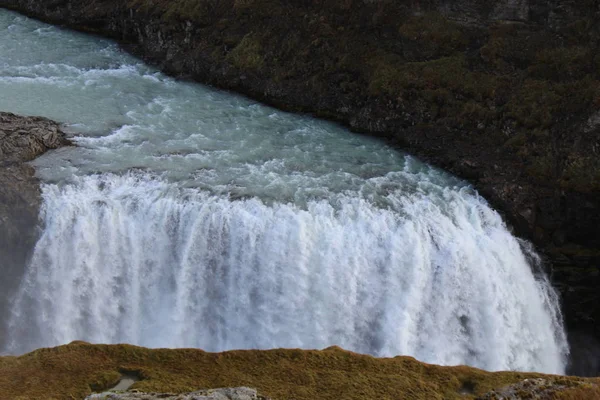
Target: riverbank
[[78, 369], [506, 96]]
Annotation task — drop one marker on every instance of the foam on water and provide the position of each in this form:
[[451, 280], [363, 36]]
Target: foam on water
[[189, 217]]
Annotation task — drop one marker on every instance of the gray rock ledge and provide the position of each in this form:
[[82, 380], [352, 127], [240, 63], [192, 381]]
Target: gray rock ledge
[[237, 393]]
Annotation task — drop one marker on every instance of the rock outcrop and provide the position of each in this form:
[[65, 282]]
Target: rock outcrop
[[21, 139], [503, 93], [238, 393], [536, 388], [544, 389]]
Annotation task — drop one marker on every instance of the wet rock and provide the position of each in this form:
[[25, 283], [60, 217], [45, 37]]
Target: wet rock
[[21, 139]]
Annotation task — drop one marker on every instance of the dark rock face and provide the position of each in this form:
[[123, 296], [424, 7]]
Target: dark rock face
[[21, 140], [503, 93]]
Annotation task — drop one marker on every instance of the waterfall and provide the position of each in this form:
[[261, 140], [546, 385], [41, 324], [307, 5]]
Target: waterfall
[[132, 259], [188, 217]]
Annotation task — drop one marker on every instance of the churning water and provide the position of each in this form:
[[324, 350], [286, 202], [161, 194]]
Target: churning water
[[192, 217]]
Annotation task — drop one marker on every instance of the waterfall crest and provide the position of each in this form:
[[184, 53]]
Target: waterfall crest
[[131, 259]]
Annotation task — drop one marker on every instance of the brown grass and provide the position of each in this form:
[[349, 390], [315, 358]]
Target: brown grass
[[75, 370], [583, 392]]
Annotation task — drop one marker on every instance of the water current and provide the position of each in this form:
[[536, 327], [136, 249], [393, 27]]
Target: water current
[[190, 217]]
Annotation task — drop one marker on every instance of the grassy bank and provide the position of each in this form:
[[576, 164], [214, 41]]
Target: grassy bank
[[75, 370]]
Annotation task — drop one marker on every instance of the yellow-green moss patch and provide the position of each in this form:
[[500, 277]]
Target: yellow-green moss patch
[[248, 54]]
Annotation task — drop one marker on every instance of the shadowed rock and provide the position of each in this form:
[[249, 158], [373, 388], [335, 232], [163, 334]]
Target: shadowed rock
[[21, 139]]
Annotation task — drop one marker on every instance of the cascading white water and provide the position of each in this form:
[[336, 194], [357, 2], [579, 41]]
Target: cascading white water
[[193, 218], [129, 259]]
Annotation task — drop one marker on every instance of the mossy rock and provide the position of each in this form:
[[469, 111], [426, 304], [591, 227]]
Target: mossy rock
[[248, 54]]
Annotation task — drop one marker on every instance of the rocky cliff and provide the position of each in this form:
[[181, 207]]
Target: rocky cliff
[[78, 369], [21, 139], [505, 93]]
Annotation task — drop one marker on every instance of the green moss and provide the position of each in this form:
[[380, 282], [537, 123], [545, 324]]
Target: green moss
[[200, 12], [516, 141], [388, 78], [534, 104], [539, 102], [562, 63], [105, 380], [581, 173], [448, 90], [434, 35], [511, 48], [581, 31], [248, 54], [396, 77], [542, 167]]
